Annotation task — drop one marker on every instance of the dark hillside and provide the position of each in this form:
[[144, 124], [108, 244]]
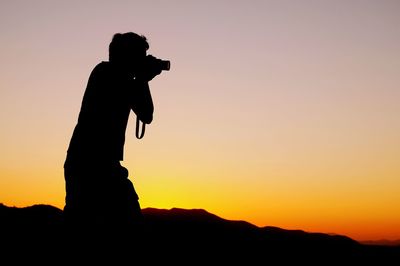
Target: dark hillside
[[179, 236]]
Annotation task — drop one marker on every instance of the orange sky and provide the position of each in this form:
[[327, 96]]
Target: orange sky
[[281, 113]]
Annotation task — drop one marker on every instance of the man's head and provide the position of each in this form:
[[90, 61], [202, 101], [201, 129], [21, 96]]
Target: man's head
[[128, 49]]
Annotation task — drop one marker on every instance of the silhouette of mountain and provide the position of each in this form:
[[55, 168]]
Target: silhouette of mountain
[[193, 230], [382, 242], [183, 236]]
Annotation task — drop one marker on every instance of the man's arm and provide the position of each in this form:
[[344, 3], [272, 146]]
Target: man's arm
[[143, 103]]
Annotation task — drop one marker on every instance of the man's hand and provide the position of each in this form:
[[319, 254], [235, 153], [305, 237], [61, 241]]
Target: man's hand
[[149, 69]]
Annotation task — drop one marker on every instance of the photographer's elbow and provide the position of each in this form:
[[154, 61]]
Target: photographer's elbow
[[146, 119]]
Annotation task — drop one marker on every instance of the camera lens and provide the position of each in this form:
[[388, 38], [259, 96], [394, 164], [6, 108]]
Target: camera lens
[[166, 65]]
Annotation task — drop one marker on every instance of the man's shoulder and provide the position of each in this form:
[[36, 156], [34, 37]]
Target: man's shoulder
[[101, 69], [103, 65]]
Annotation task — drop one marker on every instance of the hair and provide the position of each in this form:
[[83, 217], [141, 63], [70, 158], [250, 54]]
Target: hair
[[124, 42]]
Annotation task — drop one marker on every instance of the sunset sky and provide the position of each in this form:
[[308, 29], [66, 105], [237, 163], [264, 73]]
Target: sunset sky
[[280, 113]]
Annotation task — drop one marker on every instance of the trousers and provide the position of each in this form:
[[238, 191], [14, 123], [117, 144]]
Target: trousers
[[100, 194]]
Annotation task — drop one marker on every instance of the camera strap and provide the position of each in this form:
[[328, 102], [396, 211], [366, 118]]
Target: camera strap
[[139, 136]]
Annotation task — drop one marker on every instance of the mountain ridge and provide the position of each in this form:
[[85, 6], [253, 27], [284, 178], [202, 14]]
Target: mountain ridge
[[176, 233]]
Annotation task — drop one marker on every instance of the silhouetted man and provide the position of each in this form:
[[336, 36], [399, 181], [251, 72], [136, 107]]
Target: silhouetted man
[[98, 191]]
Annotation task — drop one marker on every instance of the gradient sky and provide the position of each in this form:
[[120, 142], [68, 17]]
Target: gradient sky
[[281, 113]]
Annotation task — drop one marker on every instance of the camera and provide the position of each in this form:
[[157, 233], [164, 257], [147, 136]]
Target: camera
[[158, 64], [165, 64]]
